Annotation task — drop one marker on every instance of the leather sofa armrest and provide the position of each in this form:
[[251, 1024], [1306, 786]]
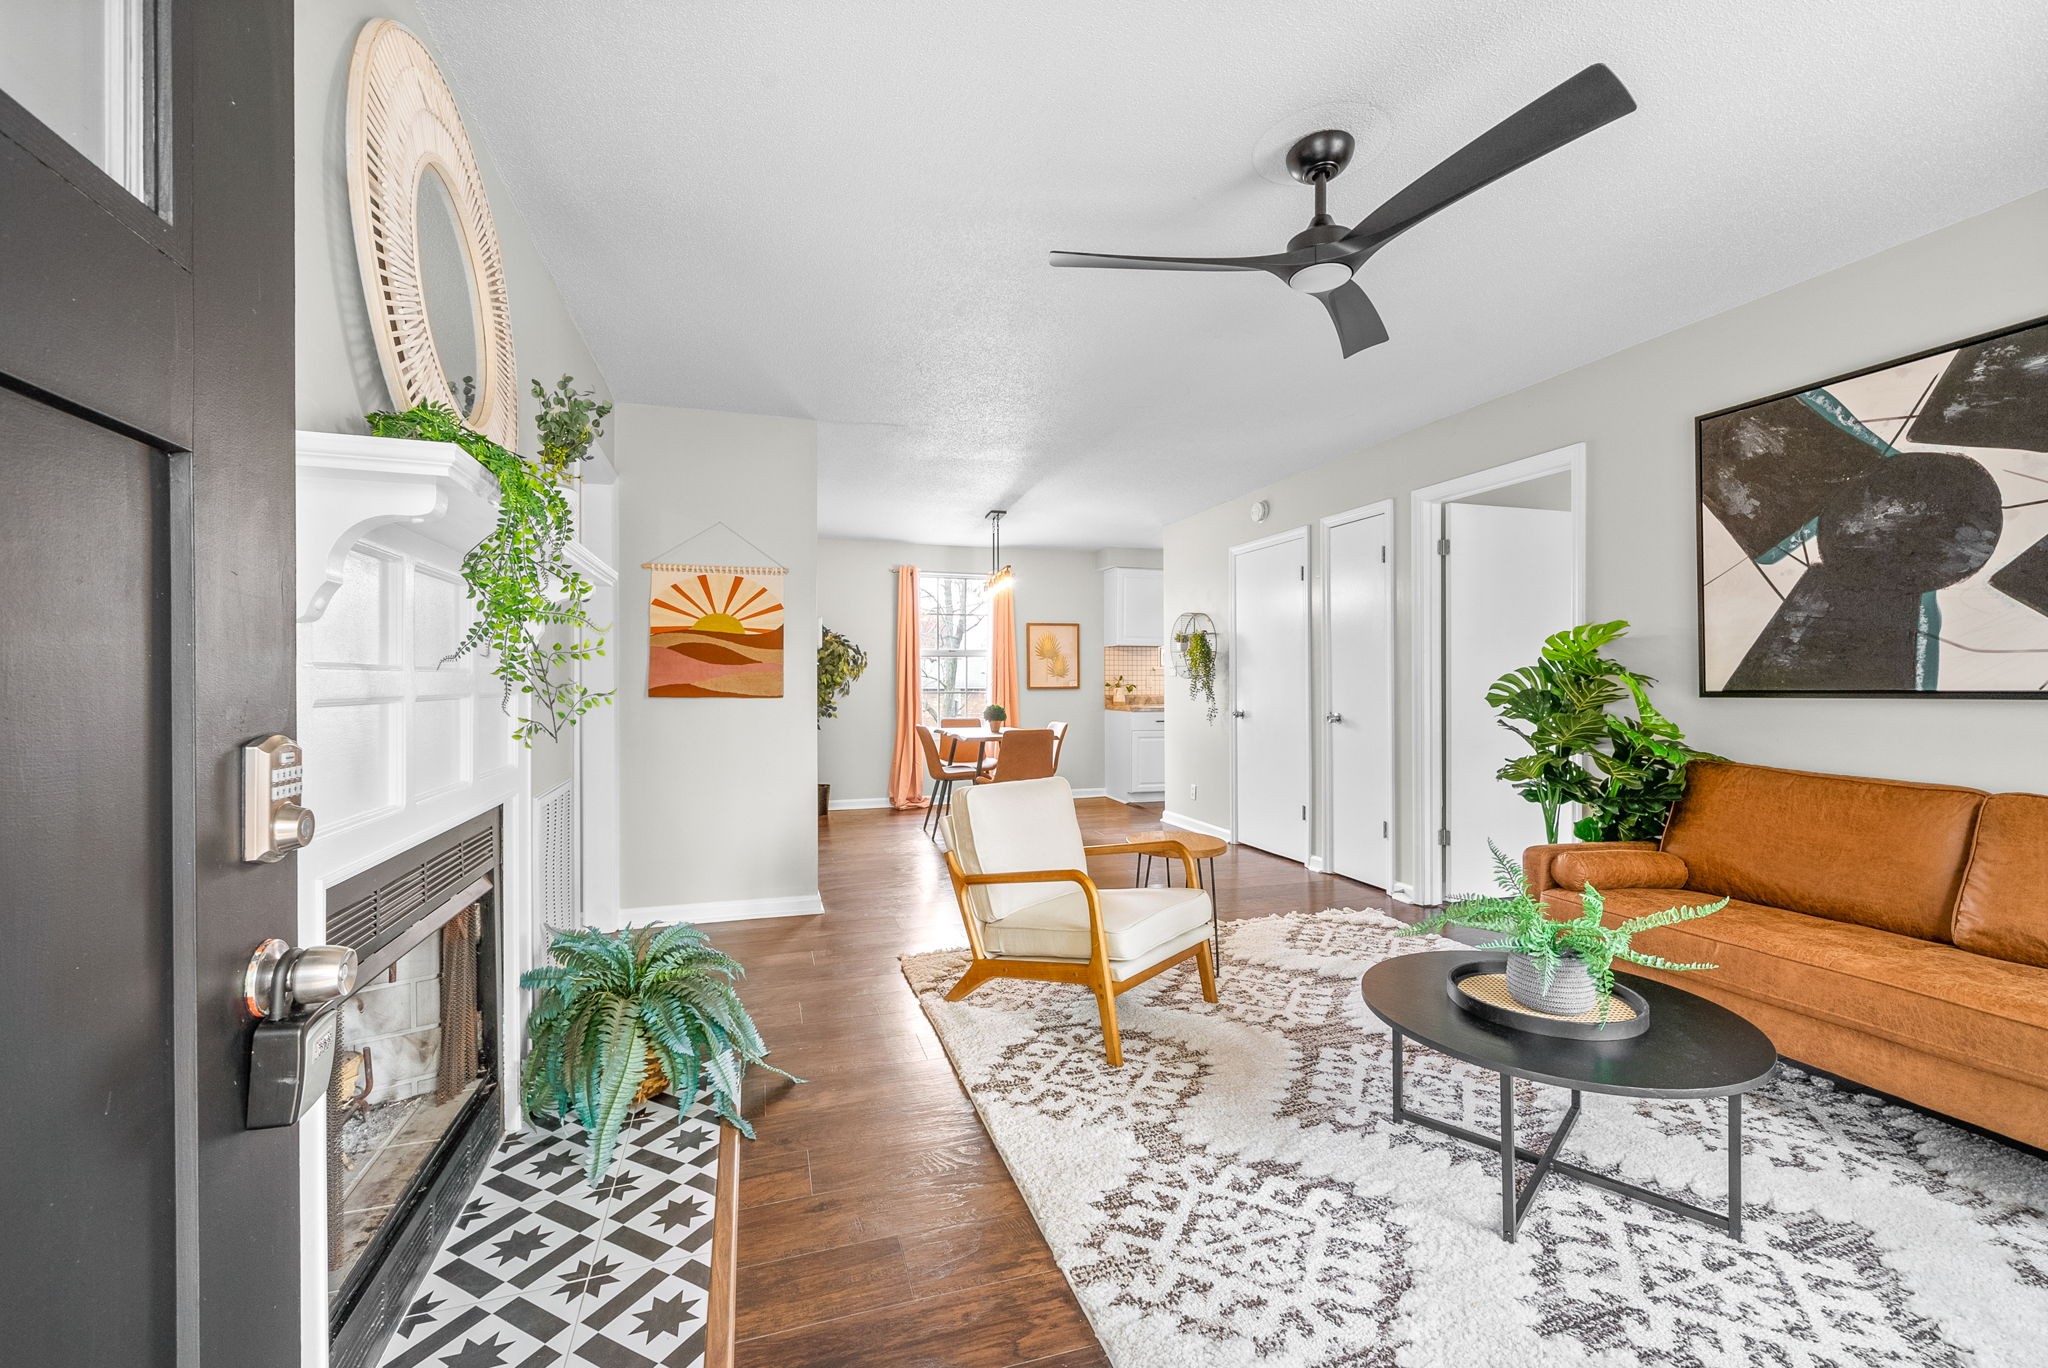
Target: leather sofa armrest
[[1536, 860]]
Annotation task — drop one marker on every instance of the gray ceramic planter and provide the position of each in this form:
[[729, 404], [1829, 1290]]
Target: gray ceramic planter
[[1571, 988]]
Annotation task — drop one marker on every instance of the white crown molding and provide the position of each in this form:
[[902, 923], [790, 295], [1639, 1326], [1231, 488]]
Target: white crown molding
[[352, 486]]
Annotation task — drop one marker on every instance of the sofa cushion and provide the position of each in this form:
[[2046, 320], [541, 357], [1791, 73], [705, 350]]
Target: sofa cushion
[[2003, 910], [1987, 1013], [1870, 851], [1605, 869], [1009, 828], [1135, 922]]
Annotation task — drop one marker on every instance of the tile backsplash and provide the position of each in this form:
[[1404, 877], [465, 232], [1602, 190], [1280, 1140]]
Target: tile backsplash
[[1138, 665]]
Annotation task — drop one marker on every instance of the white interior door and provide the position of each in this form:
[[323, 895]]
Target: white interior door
[[1359, 722], [1507, 586], [1270, 694]]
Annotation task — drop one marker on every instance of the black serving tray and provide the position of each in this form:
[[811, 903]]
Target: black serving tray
[[1535, 1024]]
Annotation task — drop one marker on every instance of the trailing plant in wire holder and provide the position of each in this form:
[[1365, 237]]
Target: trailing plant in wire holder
[[530, 601], [1194, 657]]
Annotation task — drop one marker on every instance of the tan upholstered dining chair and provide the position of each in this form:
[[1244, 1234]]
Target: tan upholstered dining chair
[[943, 773], [1027, 753], [1059, 742], [1020, 875]]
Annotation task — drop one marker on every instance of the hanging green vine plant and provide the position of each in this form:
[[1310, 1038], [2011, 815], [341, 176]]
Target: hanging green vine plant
[[510, 573], [1194, 657]]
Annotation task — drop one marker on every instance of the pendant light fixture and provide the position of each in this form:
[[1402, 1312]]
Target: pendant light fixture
[[999, 576]]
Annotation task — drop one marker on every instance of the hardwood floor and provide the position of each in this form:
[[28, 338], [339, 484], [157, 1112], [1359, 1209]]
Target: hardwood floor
[[878, 1225]]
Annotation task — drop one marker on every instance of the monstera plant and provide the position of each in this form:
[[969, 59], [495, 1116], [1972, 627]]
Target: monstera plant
[[623, 1014]]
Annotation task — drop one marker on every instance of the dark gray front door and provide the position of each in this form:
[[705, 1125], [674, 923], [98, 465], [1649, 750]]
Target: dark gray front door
[[146, 584]]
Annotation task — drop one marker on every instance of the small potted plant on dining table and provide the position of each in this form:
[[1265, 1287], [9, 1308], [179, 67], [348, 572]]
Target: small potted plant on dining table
[[995, 715], [1564, 968]]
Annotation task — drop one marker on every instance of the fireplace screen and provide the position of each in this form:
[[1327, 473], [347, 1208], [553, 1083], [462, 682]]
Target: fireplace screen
[[414, 1054]]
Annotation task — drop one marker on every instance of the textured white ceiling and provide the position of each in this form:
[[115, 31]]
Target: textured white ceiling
[[842, 211]]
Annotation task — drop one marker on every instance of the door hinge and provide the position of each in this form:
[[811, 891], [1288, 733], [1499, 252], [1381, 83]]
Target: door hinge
[[1383, 555], [1386, 830], [1443, 546], [1304, 572], [1443, 836], [1304, 812]]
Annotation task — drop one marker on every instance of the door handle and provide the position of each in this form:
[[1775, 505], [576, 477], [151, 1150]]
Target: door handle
[[1237, 712], [1333, 717]]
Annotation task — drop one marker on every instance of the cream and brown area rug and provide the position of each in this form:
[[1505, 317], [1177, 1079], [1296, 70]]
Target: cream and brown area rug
[[1236, 1194]]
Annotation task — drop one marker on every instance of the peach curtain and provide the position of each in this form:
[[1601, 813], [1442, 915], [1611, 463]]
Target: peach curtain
[[906, 783], [1002, 663]]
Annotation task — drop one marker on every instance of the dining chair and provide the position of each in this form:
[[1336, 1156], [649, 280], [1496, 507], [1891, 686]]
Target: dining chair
[[944, 774], [1027, 753], [952, 746], [1059, 742], [1020, 875]]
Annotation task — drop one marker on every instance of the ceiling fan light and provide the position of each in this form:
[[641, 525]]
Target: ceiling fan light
[[1319, 277]]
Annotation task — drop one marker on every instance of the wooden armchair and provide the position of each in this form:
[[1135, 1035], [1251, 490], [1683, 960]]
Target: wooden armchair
[[1031, 911]]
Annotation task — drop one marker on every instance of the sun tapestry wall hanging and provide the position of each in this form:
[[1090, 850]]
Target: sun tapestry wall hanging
[[1885, 532], [714, 626]]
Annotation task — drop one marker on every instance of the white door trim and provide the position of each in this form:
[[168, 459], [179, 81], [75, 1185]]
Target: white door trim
[[1325, 837], [1426, 529], [1293, 534]]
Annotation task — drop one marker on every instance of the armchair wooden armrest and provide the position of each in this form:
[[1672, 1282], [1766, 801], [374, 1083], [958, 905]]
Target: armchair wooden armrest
[[1169, 848], [1098, 938]]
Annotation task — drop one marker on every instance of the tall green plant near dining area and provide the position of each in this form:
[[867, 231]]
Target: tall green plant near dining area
[[1626, 767]]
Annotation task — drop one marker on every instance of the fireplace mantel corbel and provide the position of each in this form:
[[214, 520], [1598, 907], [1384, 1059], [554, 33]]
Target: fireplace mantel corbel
[[351, 486]]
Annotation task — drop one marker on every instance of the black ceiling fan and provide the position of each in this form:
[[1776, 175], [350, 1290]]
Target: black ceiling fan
[[1321, 259]]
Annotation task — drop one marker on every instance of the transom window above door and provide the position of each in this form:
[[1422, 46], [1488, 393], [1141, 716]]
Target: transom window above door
[[953, 639]]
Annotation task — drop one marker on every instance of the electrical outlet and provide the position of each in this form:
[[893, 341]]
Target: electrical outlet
[[1194, 793]]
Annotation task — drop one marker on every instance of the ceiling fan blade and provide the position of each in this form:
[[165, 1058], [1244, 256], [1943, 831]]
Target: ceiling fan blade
[[1587, 101], [1278, 264], [1358, 322]]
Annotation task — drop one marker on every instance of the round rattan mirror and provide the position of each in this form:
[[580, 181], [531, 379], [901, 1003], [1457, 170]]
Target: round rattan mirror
[[433, 274]]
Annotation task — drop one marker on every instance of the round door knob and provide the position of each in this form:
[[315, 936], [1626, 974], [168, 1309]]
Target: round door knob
[[1333, 717], [1237, 712], [291, 827], [320, 973]]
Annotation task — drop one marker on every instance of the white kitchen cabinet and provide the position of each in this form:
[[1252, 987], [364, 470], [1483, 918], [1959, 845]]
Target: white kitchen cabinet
[[1133, 607], [1134, 755]]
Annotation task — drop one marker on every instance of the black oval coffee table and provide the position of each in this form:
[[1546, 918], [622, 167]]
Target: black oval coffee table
[[1693, 1048]]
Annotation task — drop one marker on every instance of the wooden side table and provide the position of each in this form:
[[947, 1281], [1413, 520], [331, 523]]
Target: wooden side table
[[1204, 849]]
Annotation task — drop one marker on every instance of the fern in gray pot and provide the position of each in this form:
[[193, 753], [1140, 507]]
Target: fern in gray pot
[[621, 1014]]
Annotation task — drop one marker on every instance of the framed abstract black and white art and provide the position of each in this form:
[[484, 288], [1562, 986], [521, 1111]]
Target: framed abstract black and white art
[[1882, 533]]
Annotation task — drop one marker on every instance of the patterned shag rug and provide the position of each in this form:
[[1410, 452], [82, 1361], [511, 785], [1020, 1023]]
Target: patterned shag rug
[[1236, 1194]]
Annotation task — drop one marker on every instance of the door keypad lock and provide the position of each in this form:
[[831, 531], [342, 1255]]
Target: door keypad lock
[[274, 821], [295, 996]]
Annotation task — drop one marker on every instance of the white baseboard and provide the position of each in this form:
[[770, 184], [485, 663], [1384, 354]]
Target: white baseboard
[[1313, 864], [1402, 893], [849, 804], [1186, 823], [729, 909], [1091, 793]]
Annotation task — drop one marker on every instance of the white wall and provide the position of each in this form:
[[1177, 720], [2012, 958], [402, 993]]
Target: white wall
[[339, 378], [1634, 411], [718, 796], [857, 595]]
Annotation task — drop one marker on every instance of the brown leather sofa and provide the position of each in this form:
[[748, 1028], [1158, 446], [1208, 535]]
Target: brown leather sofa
[[1893, 934]]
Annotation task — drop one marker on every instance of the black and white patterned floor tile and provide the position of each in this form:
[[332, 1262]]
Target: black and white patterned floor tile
[[544, 1271]]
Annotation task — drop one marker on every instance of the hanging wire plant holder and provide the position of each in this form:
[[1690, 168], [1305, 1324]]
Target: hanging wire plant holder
[[1194, 657]]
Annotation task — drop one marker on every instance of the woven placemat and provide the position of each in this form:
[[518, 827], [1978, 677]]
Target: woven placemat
[[1492, 989]]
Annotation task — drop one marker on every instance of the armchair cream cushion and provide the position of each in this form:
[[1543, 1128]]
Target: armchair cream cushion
[[1030, 825]]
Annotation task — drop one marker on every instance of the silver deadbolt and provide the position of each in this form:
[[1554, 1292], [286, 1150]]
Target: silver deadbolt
[[281, 982], [274, 822]]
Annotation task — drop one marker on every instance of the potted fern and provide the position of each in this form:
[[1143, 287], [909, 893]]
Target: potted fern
[[622, 1015], [1565, 968]]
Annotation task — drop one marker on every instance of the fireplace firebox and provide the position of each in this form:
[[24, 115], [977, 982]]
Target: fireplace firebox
[[412, 1111]]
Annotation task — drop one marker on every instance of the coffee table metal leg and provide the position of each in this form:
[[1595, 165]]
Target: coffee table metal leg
[[1735, 1166], [1507, 1158], [1400, 1112]]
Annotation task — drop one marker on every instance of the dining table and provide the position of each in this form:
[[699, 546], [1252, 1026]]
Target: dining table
[[981, 738]]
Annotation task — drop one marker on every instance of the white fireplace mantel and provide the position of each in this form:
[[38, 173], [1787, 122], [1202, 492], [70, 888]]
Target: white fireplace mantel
[[352, 487]]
